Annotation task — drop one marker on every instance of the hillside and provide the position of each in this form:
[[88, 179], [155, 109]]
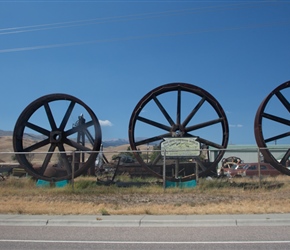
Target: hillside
[[6, 145], [110, 149], [6, 133]]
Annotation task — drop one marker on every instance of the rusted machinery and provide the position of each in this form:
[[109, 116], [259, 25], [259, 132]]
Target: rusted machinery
[[48, 154], [173, 116], [63, 149], [227, 164], [272, 124], [179, 110]]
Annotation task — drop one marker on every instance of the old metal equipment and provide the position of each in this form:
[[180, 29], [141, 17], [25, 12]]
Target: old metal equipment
[[106, 173], [227, 164], [179, 110], [56, 147], [272, 125]]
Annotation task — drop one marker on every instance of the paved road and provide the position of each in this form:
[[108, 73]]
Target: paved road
[[225, 237], [145, 232]]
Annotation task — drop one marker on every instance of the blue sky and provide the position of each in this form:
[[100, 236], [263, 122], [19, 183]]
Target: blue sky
[[110, 54]]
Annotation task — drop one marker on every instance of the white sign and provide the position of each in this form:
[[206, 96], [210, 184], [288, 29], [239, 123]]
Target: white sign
[[180, 147]]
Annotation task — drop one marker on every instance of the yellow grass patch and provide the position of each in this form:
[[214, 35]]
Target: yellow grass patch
[[21, 196]]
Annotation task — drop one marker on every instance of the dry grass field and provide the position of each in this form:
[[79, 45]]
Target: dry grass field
[[215, 196], [243, 196]]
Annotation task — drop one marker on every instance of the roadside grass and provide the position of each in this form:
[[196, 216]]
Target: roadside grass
[[215, 196]]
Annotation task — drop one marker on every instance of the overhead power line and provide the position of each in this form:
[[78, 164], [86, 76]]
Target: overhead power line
[[254, 26], [141, 16]]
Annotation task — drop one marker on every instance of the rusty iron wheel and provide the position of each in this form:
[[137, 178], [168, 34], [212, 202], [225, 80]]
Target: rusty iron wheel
[[178, 110], [53, 132], [272, 125]]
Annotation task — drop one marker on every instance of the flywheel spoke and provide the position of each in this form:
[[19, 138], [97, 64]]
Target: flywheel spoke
[[283, 100], [193, 112], [50, 116], [164, 112], [178, 102], [67, 115], [37, 129], [64, 158], [210, 143], [273, 127], [47, 159], [285, 157], [178, 110], [36, 146], [152, 139], [78, 128], [204, 124], [277, 137], [49, 120], [153, 123], [276, 119], [77, 146]]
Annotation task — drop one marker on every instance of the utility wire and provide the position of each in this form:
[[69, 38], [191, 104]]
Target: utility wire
[[144, 37], [142, 16], [139, 1]]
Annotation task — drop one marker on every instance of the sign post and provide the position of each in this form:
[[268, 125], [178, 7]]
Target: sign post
[[179, 147]]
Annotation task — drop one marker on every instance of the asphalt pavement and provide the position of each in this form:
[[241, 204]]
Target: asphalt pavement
[[146, 220]]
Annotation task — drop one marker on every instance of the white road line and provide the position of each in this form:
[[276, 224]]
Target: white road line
[[148, 242]]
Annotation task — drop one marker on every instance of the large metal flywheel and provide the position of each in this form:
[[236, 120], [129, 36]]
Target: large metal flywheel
[[272, 125], [52, 133], [179, 110]]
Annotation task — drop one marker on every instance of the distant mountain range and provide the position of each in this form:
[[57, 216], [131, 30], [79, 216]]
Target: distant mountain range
[[114, 142], [106, 143], [6, 133]]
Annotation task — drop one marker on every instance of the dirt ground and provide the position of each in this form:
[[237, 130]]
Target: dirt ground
[[207, 198], [237, 198]]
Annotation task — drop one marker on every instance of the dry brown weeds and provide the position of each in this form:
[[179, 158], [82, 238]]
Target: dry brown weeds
[[21, 196]]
